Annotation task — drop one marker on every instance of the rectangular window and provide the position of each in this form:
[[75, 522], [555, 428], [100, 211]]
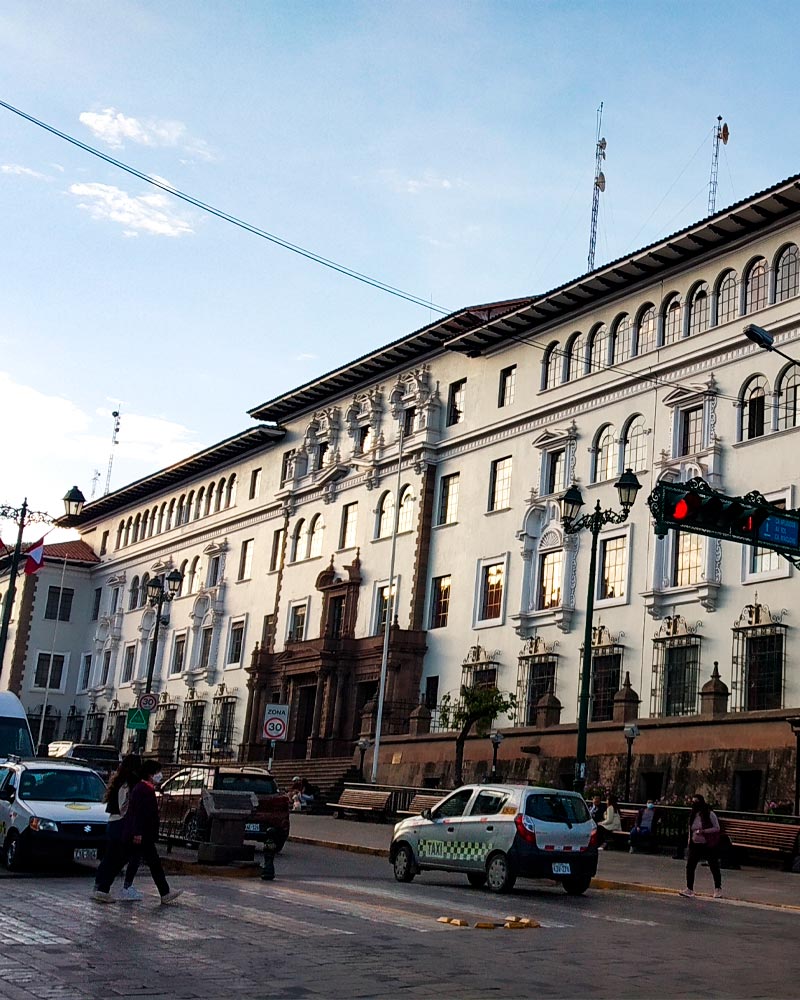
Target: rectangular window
[[86, 671], [409, 421], [178, 654], [236, 643], [364, 439], [492, 579], [681, 669], [59, 603], [246, 560], [500, 484], [541, 681], [455, 402], [448, 499], [277, 545], [106, 668], [205, 647], [432, 691], [347, 537], [382, 610], [286, 466], [605, 684], [322, 451], [297, 623], [214, 567], [268, 632], [127, 664], [691, 425], [104, 544], [508, 378], [613, 568], [556, 464], [550, 570], [767, 560], [114, 599], [255, 483], [688, 559], [48, 674], [440, 601], [764, 672], [336, 607], [98, 597]]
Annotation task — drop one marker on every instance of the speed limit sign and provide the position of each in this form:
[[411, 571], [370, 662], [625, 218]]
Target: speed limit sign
[[276, 722]]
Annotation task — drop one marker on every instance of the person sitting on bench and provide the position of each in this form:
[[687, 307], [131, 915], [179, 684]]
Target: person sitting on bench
[[641, 835]]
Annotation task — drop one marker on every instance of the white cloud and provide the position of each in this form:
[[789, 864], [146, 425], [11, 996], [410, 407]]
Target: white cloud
[[305, 357], [63, 445], [429, 181], [149, 213], [116, 129], [18, 171]]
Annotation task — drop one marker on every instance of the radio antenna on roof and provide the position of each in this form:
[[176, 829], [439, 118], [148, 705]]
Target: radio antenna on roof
[[599, 185], [114, 436], [721, 134]]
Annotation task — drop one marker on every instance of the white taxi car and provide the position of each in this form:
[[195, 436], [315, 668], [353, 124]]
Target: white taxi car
[[496, 833], [50, 811]]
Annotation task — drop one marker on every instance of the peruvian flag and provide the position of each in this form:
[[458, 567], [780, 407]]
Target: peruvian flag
[[35, 559]]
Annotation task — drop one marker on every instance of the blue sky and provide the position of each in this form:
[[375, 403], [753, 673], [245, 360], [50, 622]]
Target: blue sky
[[445, 148]]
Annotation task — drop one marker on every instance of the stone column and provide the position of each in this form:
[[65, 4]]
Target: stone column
[[626, 702], [548, 711], [714, 694]]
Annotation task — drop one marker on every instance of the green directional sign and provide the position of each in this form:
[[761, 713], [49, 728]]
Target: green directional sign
[[138, 718]]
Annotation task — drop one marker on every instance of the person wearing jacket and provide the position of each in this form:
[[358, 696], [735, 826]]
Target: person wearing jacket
[[610, 822], [140, 828], [704, 834], [117, 798]]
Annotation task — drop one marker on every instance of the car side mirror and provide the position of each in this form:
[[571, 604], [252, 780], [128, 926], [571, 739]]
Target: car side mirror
[[426, 814], [7, 795]]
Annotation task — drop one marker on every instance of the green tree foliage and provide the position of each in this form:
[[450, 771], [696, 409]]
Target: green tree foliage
[[477, 708]]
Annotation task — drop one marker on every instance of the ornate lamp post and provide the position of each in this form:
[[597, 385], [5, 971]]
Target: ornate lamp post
[[362, 746], [157, 596], [73, 505], [497, 739], [630, 732], [627, 486]]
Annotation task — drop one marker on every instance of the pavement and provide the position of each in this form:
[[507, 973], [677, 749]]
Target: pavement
[[617, 870]]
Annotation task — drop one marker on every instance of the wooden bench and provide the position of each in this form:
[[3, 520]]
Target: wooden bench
[[619, 838], [756, 835], [420, 802], [362, 801]]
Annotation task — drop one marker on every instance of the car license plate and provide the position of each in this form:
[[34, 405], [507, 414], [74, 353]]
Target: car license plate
[[85, 854], [252, 828], [561, 868]]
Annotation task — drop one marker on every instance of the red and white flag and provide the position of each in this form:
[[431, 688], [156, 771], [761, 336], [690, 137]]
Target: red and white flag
[[35, 559]]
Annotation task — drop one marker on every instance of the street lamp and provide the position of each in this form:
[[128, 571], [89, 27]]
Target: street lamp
[[157, 596], [630, 732], [763, 338], [73, 505], [497, 739], [627, 486], [362, 746], [795, 724]]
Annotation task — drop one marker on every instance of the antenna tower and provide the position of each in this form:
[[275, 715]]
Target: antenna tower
[[599, 185], [721, 134], [114, 436]]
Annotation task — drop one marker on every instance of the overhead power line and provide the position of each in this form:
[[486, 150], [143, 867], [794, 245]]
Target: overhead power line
[[348, 272]]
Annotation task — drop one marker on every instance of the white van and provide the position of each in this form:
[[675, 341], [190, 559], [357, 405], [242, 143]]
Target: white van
[[15, 733]]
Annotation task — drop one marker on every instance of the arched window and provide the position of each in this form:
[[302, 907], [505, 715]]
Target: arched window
[[698, 310], [145, 523], [184, 584], [576, 357], [604, 458], [646, 330], [133, 595], [170, 515], [230, 492], [634, 444], [180, 510], [553, 365], [673, 320], [298, 538], [198, 505], [193, 577], [220, 495], [315, 535], [754, 407], [727, 297], [137, 523], [153, 520], [787, 274], [405, 521], [621, 347], [209, 497], [143, 590], [756, 288], [187, 511], [162, 513], [598, 349], [788, 398], [128, 528], [120, 534], [385, 515]]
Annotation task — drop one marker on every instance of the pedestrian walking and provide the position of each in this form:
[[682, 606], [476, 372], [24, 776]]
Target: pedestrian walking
[[704, 837], [140, 828], [117, 798]]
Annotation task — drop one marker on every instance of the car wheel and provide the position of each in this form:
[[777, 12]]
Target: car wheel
[[577, 886], [476, 879], [191, 827], [13, 853], [499, 876], [404, 864]]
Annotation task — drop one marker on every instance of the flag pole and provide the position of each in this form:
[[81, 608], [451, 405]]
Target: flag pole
[[52, 656]]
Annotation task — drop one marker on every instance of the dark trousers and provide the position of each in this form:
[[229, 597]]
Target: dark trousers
[[702, 852], [146, 851], [117, 856]]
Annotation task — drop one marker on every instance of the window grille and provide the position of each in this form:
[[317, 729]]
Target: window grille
[[536, 676], [759, 659], [675, 686], [607, 656]]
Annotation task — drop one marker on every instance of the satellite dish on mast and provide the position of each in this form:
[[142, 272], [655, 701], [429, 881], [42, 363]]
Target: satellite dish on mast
[[725, 134], [600, 183]]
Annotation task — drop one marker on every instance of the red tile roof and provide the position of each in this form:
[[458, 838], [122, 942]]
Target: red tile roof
[[76, 551]]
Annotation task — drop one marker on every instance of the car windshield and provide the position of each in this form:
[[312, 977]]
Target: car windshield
[[61, 786], [556, 808], [261, 784], [15, 738]]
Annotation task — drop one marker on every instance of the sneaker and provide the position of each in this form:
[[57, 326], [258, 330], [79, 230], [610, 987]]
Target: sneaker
[[170, 897], [130, 895], [718, 894], [686, 892], [102, 897]]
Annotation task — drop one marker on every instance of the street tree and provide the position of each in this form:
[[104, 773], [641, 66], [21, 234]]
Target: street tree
[[477, 707]]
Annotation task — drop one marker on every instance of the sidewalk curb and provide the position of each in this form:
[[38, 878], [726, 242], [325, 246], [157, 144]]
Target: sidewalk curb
[[376, 852]]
